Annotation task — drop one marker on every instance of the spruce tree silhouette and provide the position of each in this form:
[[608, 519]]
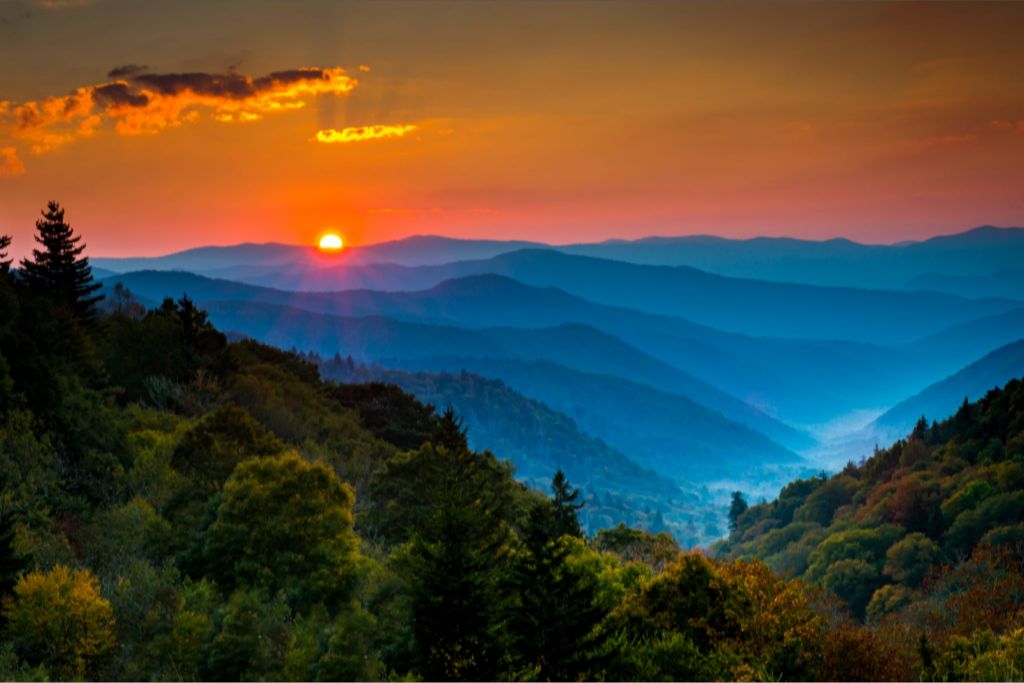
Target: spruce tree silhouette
[[5, 263], [566, 508], [58, 270]]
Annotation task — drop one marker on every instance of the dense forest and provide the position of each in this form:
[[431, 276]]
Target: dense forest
[[179, 506]]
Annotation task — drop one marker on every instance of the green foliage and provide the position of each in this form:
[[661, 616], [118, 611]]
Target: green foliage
[[284, 526], [209, 452], [59, 620]]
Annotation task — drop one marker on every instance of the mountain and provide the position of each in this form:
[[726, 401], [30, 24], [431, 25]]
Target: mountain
[[484, 301], [960, 264], [942, 399], [798, 380], [539, 441], [903, 522], [662, 431], [577, 347], [737, 305], [961, 257], [1006, 283], [417, 250]]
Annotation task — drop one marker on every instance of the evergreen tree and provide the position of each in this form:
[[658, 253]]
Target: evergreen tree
[[59, 270], [450, 433], [736, 509], [554, 636], [5, 263], [566, 508]]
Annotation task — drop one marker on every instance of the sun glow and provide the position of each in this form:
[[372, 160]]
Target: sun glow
[[331, 242]]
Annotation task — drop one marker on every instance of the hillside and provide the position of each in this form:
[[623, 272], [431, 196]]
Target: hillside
[[875, 532], [539, 441], [664, 432], [943, 398], [575, 346]]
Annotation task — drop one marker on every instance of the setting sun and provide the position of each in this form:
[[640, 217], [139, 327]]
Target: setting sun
[[331, 242]]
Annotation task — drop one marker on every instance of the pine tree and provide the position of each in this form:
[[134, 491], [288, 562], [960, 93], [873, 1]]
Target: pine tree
[[736, 509], [450, 433], [553, 627], [59, 270], [5, 263], [566, 507]]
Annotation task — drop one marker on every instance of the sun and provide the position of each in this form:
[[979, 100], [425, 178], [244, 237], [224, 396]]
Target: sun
[[331, 242]]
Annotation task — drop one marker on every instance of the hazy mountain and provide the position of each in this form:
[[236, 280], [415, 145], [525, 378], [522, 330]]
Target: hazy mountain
[[491, 300], [665, 432], [1007, 283], [961, 264], [417, 250], [538, 441], [942, 399], [745, 306], [802, 381], [961, 257], [576, 347]]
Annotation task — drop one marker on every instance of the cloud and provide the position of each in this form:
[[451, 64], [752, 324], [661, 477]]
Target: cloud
[[10, 164], [140, 102], [126, 70], [363, 133]]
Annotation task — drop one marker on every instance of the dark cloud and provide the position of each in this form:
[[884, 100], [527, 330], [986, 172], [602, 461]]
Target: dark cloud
[[115, 94], [233, 86], [126, 71], [229, 85]]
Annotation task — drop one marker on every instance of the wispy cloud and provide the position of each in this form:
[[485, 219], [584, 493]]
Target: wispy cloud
[[139, 102], [10, 164], [363, 133]]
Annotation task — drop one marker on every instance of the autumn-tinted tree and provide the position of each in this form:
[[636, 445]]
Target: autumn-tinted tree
[[59, 619], [58, 269]]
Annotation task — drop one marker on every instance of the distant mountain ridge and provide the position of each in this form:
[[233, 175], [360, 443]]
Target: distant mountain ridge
[[940, 400], [962, 257]]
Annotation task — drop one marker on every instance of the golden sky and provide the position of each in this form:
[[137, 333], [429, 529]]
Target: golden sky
[[164, 126]]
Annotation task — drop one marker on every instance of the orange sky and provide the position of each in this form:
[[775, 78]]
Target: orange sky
[[557, 122]]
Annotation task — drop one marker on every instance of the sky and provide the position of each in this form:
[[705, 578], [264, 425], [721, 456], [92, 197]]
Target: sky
[[163, 126]]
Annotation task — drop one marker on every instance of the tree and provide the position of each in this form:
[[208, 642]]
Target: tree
[[553, 625], [450, 433], [285, 525], [209, 452], [736, 509], [59, 270], [908, 560], [5, 263], [59, 619], [566, 507], [453, 507]]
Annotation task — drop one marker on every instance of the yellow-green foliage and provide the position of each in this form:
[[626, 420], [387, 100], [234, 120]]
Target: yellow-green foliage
[[59, 620]]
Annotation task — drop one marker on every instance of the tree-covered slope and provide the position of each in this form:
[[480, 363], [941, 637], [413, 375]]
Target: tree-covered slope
[[876, 531], [539, 441]]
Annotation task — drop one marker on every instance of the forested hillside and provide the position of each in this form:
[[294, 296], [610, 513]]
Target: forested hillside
[[178, 506], [891, 536]]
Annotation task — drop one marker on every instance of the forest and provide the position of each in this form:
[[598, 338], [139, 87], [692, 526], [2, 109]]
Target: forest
[[176, 505]]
